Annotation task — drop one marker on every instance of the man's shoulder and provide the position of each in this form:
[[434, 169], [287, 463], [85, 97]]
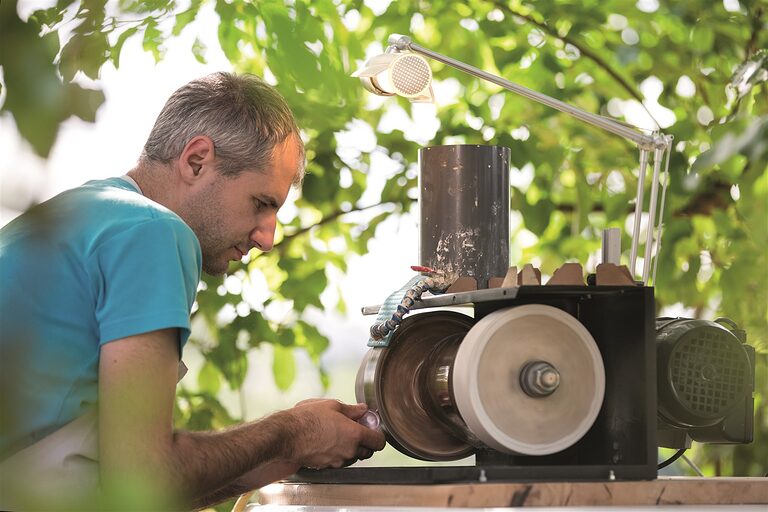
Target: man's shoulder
[[111, 206], [115, 196], [93, 215]]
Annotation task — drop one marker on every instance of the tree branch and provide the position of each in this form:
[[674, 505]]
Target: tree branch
[[705, 202], [584, 50], [702, 203], [757, 24], [329, 218]]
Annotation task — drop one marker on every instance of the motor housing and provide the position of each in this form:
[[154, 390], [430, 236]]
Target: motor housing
[[705, 380]]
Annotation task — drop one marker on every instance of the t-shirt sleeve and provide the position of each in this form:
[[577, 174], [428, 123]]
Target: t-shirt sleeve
[[146, 278]]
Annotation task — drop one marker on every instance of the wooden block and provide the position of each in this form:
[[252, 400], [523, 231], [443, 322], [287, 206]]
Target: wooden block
[[496, 282], [463, 284], [529, 276], [510, 280], [568, 274], [609, 274]]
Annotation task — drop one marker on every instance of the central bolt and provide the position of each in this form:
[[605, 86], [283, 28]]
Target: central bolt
[[547, 379], [539, 379]]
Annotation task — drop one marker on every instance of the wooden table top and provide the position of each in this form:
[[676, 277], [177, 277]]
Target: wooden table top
[[662, 491]]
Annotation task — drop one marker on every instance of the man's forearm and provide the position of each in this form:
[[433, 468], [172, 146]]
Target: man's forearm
[[216, 497], [254, 479], [211, 465]]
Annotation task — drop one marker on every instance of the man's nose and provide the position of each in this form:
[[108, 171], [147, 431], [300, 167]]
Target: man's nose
[[263, 236]]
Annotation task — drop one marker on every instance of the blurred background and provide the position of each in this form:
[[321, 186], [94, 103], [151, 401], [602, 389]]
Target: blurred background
[[83, 81]]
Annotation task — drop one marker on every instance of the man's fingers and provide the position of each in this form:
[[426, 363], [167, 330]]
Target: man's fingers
[[353, 411], [331, 439], [364, 453], [373, 439], [309, 401]]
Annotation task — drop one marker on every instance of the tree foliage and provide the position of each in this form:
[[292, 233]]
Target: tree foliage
[[701, 60]]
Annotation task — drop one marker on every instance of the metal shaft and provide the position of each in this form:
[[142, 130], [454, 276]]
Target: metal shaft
[[638, 211], [658, 155], [660, 234]]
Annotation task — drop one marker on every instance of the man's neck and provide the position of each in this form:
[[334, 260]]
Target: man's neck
[[154, 180]]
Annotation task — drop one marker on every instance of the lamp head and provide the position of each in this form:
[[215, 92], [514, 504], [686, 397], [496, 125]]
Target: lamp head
[[404, 74]]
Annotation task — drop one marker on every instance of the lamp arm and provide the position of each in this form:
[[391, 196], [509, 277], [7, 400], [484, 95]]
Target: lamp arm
[[644, 141], [658, 143]]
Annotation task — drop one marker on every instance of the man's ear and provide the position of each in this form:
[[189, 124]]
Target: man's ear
[[197, 158]]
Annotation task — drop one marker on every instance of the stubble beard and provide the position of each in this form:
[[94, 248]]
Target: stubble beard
[[204, 214], [214, 248], [214, 267]]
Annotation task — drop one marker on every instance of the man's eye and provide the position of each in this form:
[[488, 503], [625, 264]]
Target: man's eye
[[260, 205]]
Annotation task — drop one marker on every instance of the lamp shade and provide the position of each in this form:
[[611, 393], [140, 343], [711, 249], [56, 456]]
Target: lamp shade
[[402, 74]]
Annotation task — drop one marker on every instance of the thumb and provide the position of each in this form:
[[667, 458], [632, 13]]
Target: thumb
[[353, 411]]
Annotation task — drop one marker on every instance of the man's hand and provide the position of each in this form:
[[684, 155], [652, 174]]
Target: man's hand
[[327, 434]]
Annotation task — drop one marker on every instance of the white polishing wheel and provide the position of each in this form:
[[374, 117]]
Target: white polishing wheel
[[497, 405]]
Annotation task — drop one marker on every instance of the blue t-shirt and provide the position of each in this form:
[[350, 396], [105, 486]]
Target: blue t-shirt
[[94, 264]]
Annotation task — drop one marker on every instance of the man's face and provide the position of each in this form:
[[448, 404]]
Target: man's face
[[230, 216]]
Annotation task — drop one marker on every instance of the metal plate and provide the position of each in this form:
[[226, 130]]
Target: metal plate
[[390, 382], [506, 294], [454, 299]]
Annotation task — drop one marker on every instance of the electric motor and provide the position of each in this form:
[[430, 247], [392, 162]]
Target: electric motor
[[705, 382]]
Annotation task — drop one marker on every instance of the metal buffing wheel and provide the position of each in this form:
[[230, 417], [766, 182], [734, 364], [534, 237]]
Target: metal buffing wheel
[[529, 380], [393, 381]]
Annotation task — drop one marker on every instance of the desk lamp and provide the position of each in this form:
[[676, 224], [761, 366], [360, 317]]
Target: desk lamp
[[402, 71]]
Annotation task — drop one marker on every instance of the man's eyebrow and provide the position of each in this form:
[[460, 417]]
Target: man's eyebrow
[[271, 201]]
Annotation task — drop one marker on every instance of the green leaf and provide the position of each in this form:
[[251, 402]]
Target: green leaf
[[82, 102], [702, 37], [84, 52], [34, 94], [48, 17], [229, 35], [198, 50], [753, 140], [305, 290], [283, 367], [69, 60], [153, 39], [118, 47], [312, 340], [184, 18], [231, 361], [209, 379]]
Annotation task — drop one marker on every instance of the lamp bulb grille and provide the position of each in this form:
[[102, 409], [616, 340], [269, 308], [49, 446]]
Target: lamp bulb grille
[[411, 75]]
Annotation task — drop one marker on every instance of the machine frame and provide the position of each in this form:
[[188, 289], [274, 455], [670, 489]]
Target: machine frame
[[620, 445]]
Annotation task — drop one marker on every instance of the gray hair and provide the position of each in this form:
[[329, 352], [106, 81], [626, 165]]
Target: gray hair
[[244, 116]]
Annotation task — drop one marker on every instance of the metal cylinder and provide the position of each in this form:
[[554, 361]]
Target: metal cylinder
[[464, 201]]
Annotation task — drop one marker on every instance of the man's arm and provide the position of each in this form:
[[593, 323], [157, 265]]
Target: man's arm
[[137, 444]]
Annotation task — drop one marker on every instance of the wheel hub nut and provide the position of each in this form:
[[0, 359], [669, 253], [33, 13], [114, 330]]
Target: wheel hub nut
[[539, 379]]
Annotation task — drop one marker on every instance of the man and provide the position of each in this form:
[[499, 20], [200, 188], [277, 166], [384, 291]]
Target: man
[[97, 286]]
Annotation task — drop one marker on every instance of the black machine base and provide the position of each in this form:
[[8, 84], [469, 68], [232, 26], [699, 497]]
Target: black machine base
[[469, 474]]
